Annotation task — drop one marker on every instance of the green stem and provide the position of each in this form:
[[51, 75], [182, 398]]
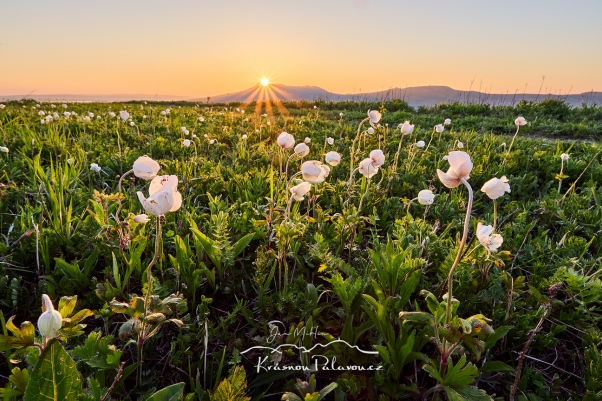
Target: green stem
[[149, 277], [511, 143], [494, 213], [119, 190], [459, 255], [363, 196], [430, 140], [352, 153]]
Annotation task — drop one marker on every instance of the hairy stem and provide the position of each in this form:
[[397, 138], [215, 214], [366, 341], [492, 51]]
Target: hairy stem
[[459, 255]]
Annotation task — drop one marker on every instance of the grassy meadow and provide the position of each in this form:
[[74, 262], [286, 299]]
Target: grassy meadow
[[191, 302]]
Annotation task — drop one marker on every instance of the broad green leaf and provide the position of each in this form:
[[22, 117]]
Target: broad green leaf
[[169, 393], [242, 243], [495, 337], [54, 377], [67, 305], [497, 366]]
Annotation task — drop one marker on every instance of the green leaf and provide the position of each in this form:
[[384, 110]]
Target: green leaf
[[233, 387], [497, 366], [242, 243], [467, 393], [495, 337], [460, 375], [67, 305], [54, 377], [169, 393]]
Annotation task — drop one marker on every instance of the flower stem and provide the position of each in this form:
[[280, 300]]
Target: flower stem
[[560, 180], [430, 140], [494, 213], [363, 196], [149, 277], [511, 143], [119, 189], [352, 153], [459, 255]]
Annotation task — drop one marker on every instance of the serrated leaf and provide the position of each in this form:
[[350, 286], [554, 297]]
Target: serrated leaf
[[54, 377], [67, 305], [467, 393]]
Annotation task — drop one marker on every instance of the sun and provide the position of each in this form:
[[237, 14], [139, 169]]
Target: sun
[[264, 82]]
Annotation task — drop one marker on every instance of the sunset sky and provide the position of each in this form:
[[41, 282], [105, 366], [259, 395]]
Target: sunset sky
[[201, 48]]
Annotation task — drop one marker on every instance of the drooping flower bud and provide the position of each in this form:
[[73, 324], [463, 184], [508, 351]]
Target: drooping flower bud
[[50, 321]]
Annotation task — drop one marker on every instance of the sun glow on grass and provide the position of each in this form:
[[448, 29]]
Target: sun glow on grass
[[264, 82]]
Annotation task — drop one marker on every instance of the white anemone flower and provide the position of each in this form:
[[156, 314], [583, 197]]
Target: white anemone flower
[[367, 169], [370, 130], [374, 117], [314, 172], [163, 196], [460, 167], [307, 140], [124, 115], [520, 121], [378, 157], [564, 157], [301, 150], [447, 121], [490, 241], [3, 149], [496, 187], [406, 128], [333, 158], [420, 144], [95, 167], [330, 141], [146, 168], [285, 140], [439, 128], [426, 197], [299, 191]]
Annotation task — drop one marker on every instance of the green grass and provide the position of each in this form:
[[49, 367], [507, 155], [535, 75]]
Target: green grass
[[240, 264]]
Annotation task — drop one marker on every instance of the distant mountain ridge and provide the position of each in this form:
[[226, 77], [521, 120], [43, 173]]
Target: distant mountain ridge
[[415, 96]]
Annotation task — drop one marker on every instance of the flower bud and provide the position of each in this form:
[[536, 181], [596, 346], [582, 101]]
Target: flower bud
[[50, 321]]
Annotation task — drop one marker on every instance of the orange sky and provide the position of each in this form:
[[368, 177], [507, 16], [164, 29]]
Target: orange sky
[[200, 48]]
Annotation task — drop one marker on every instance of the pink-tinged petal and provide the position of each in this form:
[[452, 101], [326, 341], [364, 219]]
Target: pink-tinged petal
[[177, 201], [448, 180], [460, 163]]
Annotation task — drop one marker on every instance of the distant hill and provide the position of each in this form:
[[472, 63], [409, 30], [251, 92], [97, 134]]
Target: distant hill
[[415, 96], [92, 98]]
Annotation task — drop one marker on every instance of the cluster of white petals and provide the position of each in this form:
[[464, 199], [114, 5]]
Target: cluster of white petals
[[490, 241], [496, 187], [163, 195], [286, 140], [314, 171], [299, 191], [460, 167]]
